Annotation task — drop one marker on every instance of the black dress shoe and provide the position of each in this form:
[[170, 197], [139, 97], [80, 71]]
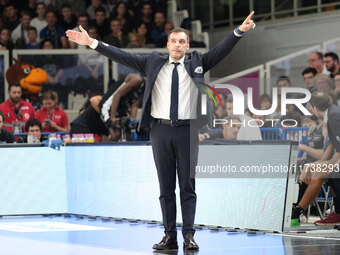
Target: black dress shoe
[[190, 244], [167, 243]]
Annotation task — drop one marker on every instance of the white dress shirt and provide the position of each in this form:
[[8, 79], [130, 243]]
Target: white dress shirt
[[161, 93]]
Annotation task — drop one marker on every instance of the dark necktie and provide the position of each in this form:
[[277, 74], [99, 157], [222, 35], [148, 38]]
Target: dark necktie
[[174, 94]]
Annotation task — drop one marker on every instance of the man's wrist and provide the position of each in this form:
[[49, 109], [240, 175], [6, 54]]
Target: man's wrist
[[93, 43], [239, 30]]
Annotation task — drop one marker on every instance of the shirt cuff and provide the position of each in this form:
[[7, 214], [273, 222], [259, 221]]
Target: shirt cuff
[[95, 44], [235, 33]]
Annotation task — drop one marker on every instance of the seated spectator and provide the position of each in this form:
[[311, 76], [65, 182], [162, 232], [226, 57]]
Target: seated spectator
[[30, 6], [11, 20], [83, 21], [67, 20], [157, 32], [39, 22], [135, 9], [52, 118], [20, 34], [32, 39], [146, 19], [33, 127], [167, 28], [101, 23], [315, 60], [5, 40], [77, 6], [265, 102], [134, 42], [120, 12], [52, 32], [93, 6], [116, 38], [194, 44], [308, 77], [16, 110], [230, 130], [324, 83], [219, 110], [144, 40], [331, 61], [5, 135]]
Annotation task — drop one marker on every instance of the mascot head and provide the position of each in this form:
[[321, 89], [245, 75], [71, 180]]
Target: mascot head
[[30, 78]]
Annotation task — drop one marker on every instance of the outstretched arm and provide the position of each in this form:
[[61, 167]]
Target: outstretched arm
[[222, 49], [134, 61]]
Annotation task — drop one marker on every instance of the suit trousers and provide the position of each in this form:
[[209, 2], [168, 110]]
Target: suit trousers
[[176, 148]]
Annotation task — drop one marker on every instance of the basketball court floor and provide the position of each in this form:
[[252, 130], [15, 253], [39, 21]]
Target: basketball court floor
[[62, 235]]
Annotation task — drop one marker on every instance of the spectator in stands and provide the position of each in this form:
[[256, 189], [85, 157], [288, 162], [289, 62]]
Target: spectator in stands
[[282, 82], [5, 135], [12, 20], [94, 5], [77, 6], [32, 39], [101, 23], [157, 33], [5, 39], [68, 20], [332, 63], [135, 9], [230, 130], [83, 21], [324, 83], [167, 28], [330, 158], [249, 129], [134, 42], [30, 6], [52, 32], [315, 60], [116, 38], [120, 12], [193, 43], [143, 39], [16, 110], [265, 102], [39, 22], [308, 77], [146, 19], [219, 110], [33, 127], [51, 117], [20, 34]]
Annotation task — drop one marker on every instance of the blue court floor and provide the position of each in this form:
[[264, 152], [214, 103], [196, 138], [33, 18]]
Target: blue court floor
[[66, 236]]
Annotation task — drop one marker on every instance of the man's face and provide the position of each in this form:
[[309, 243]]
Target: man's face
[[115, 26], [25, 21], [100, 17], [47, 45], [92, 33], [10, 11], [230, 129], [282, 84], [177, 45], [5, 35], [66, 12], [309, 79], [322, 85], [15, 94], [1, 122], [34, 131], [51, 19], [40, 10], [315, 62], [83, 21], [49, 104], [146, 10], [330, 64], [159, 19], [32, 35]]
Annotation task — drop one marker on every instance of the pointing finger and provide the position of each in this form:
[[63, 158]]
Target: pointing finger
[[249, 16]]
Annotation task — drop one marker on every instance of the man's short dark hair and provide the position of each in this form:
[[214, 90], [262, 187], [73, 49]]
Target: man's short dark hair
[[100, 9], [291, 115], [179, 30], [319, 54], [13, 85], [32, 28], [332, 55], [283, 78], [3, 116], [320, 100], [65, 5], [51, 11], [31, 123], [309, 70], [25, 13]]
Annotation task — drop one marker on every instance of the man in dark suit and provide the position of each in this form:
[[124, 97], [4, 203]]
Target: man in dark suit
[[170, 107]]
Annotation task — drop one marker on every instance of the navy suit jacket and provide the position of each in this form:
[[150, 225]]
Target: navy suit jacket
[[150, 65]]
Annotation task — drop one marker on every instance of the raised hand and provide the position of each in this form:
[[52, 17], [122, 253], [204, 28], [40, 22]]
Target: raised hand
[[81, 37], [248, 23]]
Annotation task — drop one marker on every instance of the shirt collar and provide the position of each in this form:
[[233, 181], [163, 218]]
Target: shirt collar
[[181, 61]]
